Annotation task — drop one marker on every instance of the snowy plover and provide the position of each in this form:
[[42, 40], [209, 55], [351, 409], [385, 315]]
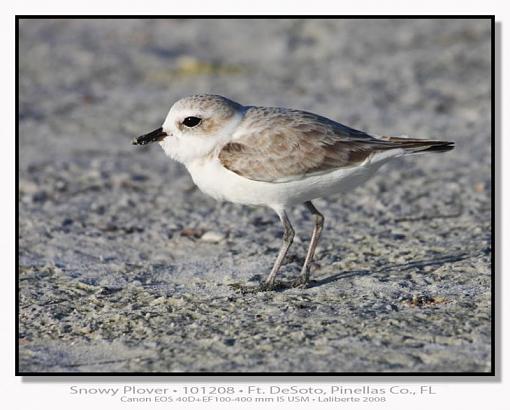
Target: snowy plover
[[276, 157]]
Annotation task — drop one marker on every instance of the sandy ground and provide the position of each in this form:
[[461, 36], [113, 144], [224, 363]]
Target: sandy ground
[[125, 267]]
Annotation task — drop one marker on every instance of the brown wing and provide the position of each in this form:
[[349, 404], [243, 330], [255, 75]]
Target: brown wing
[[276, 144]]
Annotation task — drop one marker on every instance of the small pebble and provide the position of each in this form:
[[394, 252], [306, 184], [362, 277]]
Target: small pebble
[[213, 237]]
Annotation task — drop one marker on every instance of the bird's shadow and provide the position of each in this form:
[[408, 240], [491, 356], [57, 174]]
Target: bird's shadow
[[282, 286], [391, 267]]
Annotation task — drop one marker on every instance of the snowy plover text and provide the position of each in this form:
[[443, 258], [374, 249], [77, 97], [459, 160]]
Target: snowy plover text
[[276, 157]]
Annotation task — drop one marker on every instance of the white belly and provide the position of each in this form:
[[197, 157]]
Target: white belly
[[220, 183]]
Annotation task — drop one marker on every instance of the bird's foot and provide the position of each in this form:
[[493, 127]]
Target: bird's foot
[[301, 283], [268, 286], [263, 287], [275, 286]]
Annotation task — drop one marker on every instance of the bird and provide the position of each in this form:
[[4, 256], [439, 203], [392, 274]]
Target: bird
[[275, 157]]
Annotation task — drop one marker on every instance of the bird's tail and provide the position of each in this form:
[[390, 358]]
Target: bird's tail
[[417, 146]]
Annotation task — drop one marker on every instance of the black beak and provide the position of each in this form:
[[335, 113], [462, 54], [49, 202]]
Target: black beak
[[156, 135]]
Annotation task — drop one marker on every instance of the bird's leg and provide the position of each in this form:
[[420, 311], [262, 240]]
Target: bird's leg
[[288, 237], [319, 223]]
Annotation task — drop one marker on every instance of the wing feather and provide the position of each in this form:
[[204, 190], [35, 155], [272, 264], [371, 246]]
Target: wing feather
[[278, 144]]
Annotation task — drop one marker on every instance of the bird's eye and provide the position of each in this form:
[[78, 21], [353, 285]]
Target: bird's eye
[[191, 121]]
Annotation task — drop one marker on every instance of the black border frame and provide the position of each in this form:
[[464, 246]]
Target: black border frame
[[492, 372]]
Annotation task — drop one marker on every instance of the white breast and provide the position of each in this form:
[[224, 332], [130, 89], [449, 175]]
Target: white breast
[[220, 183]]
